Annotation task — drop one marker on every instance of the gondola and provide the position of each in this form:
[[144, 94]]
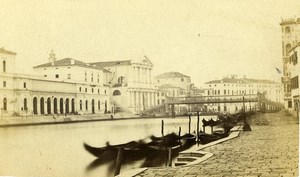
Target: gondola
[[207, 138], [156, 144], [210, 122], [113, 149]]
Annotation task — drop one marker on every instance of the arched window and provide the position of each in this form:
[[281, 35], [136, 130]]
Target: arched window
[[116, 93], [80, 104], [67, 106], [121, 79], [25, 104], [4, 66], [4, 104], [48, 105], [42, 102], [35, 105], [55, 105], [287, 49], [61, 105], [73, 105]]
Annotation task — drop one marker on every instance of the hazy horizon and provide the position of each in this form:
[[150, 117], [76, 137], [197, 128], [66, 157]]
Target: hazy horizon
[[206, 40]]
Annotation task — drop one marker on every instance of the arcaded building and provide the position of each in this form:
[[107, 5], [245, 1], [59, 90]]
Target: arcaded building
[[69, 86]]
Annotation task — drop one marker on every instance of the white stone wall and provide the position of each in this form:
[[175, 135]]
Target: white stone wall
[[72, 73]]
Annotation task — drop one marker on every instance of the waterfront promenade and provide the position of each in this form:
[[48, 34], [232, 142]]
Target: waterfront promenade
[[269, 150]]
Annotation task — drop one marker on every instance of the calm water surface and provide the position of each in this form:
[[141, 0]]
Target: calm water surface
[[57, 150]]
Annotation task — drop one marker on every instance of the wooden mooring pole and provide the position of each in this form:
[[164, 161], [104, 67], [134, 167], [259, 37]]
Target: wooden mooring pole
[[198, 119], [189, 124], [169, 156], [119, 161]]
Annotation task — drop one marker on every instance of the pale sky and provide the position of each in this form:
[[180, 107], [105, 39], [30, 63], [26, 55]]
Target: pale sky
[[205, 39]]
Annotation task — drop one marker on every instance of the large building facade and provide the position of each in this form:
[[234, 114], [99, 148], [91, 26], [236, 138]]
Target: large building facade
[[69, 86], [132, 87], [290, 37], [241, 87], [293, 64]]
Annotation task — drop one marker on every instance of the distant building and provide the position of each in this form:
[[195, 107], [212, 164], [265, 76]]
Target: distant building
[[132, 87], [233, 86], [175, 80], [71, 82], [294, 68], [290, 37], [176, 84], [70, 86]]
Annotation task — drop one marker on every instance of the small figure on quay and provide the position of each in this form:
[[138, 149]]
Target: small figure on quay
[[111, 116]]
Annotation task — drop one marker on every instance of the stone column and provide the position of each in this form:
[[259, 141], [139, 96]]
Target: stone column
[[155, 98], [149, 99], [129, 98], [141, 101]]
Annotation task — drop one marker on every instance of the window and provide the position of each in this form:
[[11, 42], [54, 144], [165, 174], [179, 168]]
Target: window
[[287, 49], [98, 105], [294, 83], [287, 29], [79, 89], [56, 75], [92, 77], [98, 91], [98, 80], [116, 93], [290, 104], [85, 77], [225, 108], [162, 94], [4, 83], [105, 92], [80, 104], [5, 104], [4, 66], [224, 92], [121, 79], [25, 104], [92, 90], [69, 76], [24, 84], [45, 75], [85, 90], [182, 79], [86, 105]]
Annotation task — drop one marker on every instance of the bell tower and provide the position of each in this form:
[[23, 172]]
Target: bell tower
[[52, 58], [290, 37]]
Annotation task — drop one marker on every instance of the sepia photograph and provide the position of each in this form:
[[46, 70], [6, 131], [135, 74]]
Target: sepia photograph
[[148, 88]]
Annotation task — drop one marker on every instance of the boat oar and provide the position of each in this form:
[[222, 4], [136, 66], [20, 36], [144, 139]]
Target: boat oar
[[119, 161]]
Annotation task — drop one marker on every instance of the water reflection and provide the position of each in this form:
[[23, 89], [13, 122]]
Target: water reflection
[[57, 150]]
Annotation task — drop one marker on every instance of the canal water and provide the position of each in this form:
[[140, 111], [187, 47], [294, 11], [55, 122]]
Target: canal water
[[57, 150]]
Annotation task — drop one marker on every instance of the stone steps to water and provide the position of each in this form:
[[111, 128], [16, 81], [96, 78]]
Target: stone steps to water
[[187, 157]]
